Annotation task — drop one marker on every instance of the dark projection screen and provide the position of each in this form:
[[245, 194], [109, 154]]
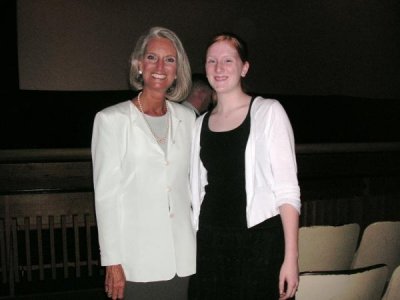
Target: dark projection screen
[[314, 47]]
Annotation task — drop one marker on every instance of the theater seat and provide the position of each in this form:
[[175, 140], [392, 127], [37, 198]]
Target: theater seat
[[380, 244], [327, 248], [364, 283]]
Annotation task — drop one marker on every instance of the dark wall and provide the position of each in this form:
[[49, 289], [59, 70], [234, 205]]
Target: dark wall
[[8, 29], [334, 66], [313, 47], [51, 119]]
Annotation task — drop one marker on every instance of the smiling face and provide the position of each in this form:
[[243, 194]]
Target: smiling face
[[224, 67], [159, 64]]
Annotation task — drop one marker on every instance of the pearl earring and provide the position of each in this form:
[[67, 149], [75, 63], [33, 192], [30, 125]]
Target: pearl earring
[[140, 72]]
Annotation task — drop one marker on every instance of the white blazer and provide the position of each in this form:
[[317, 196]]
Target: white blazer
[[142, 196], [270, 164]]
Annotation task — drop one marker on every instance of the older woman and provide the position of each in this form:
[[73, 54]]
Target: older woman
[[140, 151]]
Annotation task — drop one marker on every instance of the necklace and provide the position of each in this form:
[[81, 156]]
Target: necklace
[[162, 139]]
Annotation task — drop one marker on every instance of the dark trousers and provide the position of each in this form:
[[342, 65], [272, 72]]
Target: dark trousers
[[174, 289]]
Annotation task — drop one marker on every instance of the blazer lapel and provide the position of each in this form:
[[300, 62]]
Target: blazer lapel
[[138, 121], [174, 125]]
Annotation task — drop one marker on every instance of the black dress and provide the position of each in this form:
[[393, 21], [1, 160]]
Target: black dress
[[233, 262]]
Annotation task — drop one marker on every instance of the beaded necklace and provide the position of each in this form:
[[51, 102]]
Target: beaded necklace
[[162, 139]]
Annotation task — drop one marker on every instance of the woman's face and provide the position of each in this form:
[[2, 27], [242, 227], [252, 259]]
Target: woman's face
[[159, 64], [224, 68]]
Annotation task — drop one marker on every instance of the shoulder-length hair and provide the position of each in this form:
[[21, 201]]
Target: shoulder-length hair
[[181, 87]]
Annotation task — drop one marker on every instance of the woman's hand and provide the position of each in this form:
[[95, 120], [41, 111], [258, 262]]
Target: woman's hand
[[115, 282], [288, 279]]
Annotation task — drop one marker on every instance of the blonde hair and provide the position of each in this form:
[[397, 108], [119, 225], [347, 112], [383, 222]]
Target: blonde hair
[[182, 85]]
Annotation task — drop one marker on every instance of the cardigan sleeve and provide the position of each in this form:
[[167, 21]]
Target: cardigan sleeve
[[198, 174], [283, 159]]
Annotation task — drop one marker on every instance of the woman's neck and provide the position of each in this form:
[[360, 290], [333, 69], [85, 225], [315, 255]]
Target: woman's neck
[[231, 101], [153, 103]]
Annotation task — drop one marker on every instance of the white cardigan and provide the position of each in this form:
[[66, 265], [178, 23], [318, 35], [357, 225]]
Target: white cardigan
[[142, 195], [270, 164]]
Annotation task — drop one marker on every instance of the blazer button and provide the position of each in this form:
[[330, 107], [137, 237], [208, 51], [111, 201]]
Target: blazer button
[[168, 189]]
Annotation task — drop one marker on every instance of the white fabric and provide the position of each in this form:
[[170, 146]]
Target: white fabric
[[159, 125], [142, 195], [270, 164]]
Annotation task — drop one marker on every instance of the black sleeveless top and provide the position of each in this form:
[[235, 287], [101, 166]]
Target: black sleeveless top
[[223, 155]]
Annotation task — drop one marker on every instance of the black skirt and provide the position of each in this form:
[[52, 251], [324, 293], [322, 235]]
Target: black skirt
[[238, 264]]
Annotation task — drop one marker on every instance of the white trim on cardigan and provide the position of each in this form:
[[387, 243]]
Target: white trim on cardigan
[[270, 164]]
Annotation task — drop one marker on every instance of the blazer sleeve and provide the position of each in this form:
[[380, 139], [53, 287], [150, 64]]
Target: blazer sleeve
[[107, 181]]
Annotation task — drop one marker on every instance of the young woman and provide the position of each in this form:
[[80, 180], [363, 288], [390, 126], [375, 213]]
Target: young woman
[[245, 193]]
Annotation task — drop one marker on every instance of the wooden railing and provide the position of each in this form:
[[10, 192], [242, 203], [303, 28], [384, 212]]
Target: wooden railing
[[48, 234], [345, 183], [47, 248]]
